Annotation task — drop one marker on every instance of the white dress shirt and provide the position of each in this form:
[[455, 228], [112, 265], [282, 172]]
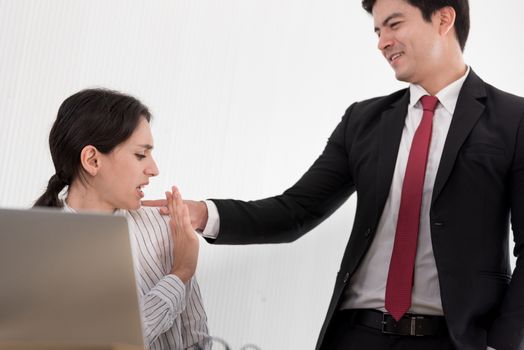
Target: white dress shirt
[[173, 314]]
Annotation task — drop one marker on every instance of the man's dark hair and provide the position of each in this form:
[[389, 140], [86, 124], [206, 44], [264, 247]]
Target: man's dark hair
[[428, 8]]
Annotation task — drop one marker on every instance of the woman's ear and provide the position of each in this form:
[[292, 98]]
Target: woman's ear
[[90, 160]]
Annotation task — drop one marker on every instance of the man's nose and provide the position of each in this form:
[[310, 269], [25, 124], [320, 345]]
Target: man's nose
[[385, 41]]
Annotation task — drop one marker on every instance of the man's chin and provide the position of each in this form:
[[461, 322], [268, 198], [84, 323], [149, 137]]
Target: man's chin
[[402, 76]]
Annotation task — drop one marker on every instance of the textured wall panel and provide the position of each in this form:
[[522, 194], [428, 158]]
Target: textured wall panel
[[244, 95]]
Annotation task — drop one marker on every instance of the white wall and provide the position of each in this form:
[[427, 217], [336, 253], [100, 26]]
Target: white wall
[[244, 94]]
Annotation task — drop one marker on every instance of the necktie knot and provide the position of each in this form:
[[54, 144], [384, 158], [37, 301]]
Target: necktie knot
[[429, 103]]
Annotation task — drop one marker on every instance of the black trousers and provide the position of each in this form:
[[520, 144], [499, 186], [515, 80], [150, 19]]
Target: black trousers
[[344, 335]]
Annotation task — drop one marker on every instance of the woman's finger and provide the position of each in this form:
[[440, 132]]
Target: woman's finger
[[169, 204], [186, 220], [178, 203], [182, 213], [172, 211]]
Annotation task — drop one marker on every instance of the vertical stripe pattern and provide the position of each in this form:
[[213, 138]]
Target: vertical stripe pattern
[[173, 313]]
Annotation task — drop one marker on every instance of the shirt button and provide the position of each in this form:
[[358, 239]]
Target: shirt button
[[346, 277], [367, 233], [438, 223]]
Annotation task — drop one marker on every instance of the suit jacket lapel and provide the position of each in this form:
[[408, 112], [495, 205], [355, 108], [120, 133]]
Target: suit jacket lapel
[[467, 112], [391, 125]]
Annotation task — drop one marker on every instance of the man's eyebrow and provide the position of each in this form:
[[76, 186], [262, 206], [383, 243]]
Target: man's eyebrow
[[389, 18]]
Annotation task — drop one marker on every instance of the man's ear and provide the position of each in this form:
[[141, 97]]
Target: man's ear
[[446, 19], [90, 160]]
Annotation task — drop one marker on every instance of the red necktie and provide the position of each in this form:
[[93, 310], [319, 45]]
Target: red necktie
[[402, 264]]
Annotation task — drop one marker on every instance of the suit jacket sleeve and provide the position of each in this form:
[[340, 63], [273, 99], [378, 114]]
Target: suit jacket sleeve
[[507, 331], [286, 217]]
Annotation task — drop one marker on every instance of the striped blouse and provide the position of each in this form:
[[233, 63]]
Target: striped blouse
[[173, 314]]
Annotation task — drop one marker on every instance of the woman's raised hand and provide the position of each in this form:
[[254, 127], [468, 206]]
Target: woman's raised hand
[[185, 240]]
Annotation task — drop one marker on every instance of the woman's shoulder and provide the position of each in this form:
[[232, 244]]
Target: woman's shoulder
[[148, 216]]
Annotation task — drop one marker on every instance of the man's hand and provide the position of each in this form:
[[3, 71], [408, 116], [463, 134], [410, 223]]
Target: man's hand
[[162, 203], [198, 214], [185, 240], [197, 211]]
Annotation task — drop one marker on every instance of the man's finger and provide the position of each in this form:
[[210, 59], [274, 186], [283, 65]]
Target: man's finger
[[155, 203]]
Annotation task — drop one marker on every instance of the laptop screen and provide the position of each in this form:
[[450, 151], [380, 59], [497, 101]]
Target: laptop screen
[[67, 278]]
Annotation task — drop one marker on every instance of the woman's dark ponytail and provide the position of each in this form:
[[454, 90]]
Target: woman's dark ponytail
[[50, 197]]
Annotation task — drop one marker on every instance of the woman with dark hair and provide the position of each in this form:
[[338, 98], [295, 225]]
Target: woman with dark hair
[[101, 147]]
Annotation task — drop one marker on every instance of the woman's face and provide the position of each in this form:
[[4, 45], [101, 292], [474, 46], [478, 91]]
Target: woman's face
[[126, 170]]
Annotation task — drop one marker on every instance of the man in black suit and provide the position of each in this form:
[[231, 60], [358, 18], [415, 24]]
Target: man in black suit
[[438, 168]]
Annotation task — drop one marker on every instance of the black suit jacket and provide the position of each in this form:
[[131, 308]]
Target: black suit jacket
[[479, 187]]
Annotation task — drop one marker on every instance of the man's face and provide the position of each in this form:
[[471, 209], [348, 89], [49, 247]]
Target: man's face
[[411, 45]]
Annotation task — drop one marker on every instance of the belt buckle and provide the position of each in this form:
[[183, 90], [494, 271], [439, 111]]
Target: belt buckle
[[384, 323], [412, 326]]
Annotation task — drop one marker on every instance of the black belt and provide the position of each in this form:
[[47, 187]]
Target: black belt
[[409, 324]]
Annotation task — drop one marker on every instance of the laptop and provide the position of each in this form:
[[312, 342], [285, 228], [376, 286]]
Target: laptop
[[67, 279]]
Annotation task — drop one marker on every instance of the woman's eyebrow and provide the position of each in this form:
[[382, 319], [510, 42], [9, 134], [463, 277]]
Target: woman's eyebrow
[[146, 146]]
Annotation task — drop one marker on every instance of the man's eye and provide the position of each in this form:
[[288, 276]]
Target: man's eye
[[394, 25], [139, 156]]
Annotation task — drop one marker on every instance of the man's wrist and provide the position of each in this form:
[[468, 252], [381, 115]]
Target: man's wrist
[[212, 226], [204, 217]]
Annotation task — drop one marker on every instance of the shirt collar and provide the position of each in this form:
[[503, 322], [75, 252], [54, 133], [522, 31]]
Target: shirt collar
[[68, 209], [447, 97]]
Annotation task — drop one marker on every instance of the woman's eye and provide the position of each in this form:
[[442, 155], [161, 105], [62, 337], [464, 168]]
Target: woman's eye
[[139, 156]]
